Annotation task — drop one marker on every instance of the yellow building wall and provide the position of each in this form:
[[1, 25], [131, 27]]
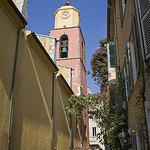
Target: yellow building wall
[[63, 123], [123, 33], [32, 101], [8, 38], [49, 43], [66, 72], [31, 121], [122, 37]]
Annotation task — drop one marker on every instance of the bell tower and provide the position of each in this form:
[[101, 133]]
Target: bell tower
[[70, 52], [67, 16]]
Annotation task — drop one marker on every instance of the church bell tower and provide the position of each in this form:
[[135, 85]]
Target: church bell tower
[[70, 52]]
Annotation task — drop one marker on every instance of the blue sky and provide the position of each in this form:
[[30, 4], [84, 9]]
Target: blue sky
[[93, 23]]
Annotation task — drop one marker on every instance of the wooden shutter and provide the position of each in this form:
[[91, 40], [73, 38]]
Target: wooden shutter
[[121, 13], [128, 71], [146, 33], [144, 9], [143, 5], [135, 43], [112, 56], [133, 55]]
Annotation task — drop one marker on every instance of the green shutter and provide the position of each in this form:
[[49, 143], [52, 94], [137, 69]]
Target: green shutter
[[112, 56], [108, 55], [121, 13], [128, 71], [135, 43]]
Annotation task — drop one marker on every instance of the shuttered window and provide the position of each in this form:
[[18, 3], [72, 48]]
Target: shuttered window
[[128, 69], [146, 33], [135, 43], [111, 52], [144, 9], [121, 13], [133, 60], [144, 5], [122, 5]]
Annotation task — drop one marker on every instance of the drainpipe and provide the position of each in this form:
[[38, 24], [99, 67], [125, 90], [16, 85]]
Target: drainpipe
[[71, 137], [12, 87], [52, 109]]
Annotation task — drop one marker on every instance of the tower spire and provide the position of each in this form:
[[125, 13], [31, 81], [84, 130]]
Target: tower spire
[[67, 2]]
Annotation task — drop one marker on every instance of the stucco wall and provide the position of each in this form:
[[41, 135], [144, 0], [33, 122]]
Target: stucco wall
[[7, 51], [122, 36], [49, 43]]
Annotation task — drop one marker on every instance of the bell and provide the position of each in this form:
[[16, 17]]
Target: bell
[[64, 50]]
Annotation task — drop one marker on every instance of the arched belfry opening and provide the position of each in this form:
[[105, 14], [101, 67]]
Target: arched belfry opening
[[64, 46]]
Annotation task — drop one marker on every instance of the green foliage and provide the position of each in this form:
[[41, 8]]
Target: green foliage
[[108, 107], [111, 108], [78, 104], [103, 43], [99, 67]]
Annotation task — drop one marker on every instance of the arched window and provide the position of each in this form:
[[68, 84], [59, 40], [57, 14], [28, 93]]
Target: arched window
[[64, 46]]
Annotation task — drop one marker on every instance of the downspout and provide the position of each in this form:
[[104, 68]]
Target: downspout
[[52, 110], [71, 137], [12, 87]]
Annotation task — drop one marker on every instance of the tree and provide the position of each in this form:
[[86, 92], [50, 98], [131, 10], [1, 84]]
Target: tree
[[109, 118], [102, 105]]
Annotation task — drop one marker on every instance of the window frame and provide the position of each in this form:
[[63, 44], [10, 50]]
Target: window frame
[[94, 131], [128, 70], [122, 8]]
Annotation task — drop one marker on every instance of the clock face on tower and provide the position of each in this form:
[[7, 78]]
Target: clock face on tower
[[65, 14]]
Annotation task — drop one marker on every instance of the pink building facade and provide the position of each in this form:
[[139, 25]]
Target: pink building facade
[[75, 58]]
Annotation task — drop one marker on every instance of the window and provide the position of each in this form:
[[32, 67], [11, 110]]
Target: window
[[122, 4], [128, 71], [111, 51], [94, 131], [134, 38], [64, 46]]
